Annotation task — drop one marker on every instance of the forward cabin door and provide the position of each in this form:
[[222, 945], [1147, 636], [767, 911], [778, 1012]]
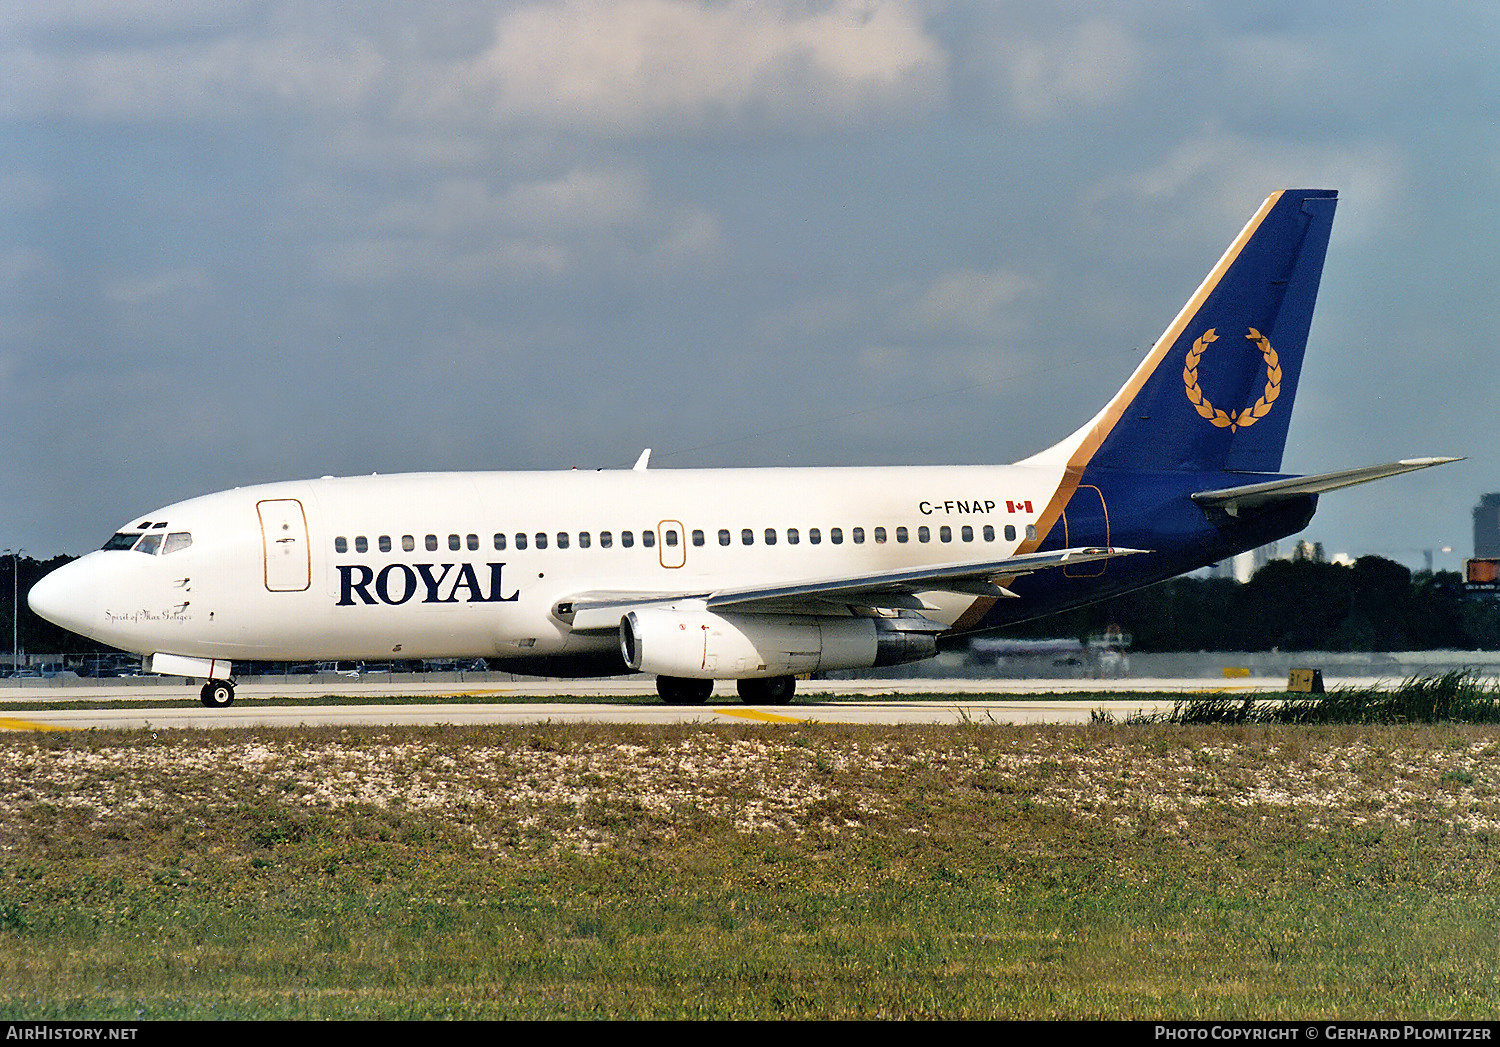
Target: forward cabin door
[[283, 530]]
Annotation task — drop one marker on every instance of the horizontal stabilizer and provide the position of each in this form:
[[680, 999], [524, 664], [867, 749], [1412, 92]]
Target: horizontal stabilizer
[[883, 589], [1233, 499]]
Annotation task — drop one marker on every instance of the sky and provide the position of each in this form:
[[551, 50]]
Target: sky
[[245, 241]]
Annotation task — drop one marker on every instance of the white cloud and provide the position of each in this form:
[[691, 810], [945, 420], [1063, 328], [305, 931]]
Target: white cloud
[[970, 302], [1214, 177], [1089, 66], [577, 199], [152, 287], [464, 230], [391, 259], [166, 81], [643, 66]]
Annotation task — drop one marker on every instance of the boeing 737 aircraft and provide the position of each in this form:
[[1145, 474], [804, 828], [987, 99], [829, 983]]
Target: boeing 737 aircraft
[[753, 575]]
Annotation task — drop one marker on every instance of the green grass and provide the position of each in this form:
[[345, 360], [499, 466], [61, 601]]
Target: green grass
[[1454, 697], [801, 871]]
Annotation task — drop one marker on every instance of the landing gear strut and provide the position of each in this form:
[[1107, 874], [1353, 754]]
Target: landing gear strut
[[769, 690], [217, 694]]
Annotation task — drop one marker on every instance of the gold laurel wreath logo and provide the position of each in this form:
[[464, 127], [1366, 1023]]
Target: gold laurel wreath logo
[[1232, 420]]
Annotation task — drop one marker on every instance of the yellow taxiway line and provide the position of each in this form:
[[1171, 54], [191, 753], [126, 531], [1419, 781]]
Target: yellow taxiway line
[[8, 724], [756, 714]]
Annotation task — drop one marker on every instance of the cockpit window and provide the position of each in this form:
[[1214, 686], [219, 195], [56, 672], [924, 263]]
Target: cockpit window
[[152, 542]]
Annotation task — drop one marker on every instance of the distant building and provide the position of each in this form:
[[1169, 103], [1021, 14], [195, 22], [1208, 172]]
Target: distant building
[[1305, 550], [1243, 566], [1487, 526]]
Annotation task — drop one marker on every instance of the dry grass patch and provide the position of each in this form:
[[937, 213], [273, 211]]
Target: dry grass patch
[[570, 871]]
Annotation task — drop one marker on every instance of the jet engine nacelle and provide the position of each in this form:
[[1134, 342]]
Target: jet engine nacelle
[[700, 644]]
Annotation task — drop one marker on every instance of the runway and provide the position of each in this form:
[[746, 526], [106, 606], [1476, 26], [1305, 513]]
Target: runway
[[497, 698]]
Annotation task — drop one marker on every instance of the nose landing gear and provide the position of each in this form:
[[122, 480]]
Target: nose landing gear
[[217, 694]]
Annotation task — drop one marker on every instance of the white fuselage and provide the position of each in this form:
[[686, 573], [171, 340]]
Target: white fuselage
[[436, 565]]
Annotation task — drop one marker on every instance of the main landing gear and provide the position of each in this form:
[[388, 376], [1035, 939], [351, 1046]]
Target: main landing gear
[[217, 694], [767, 690], [772, 690], [676, 690]]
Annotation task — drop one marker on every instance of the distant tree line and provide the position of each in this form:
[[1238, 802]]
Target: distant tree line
[[32, 634], [1374, 604]]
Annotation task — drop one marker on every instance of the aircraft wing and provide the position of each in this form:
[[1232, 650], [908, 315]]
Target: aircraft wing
[[1233, 499], [897, 589]]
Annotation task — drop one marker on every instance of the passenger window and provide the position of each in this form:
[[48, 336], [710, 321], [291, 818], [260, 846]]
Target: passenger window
[[723, 536], [880, 536], [562, 539], [859, 535], [967, 533], [814, 536], [792, 537], [697, 537], [361, 544], [923, 534], [454, 543], [770, 536], [1010, 532], [627, 539], [648, 539], [1031, 532], [583, 540], [175, 541], [747, 537], [408, 543], [836, 535], [385, 543], [606, 539], [341, 544], [901, 534], [945, 533], [432, 543], [473, 543], [989, 532], [541, 539], [520, 541], [500, 541]]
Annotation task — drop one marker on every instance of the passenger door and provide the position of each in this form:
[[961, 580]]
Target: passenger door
[[1086, 522], [671, 543], [283, 529]]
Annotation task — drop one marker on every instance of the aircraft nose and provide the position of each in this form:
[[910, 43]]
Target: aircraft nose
[[67, 597]]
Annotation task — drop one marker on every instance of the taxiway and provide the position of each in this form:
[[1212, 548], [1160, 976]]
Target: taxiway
[[496, 698]]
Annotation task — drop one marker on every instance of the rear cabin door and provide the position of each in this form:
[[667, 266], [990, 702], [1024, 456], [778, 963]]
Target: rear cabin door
[[1086, 522], [283, 529]]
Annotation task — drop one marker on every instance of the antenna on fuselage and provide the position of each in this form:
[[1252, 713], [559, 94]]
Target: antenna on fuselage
[[640, 463]]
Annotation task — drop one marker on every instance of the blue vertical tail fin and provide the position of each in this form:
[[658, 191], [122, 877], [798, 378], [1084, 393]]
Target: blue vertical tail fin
[[1216, 391]]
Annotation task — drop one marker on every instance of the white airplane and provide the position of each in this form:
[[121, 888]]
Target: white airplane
[[753, 575]]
